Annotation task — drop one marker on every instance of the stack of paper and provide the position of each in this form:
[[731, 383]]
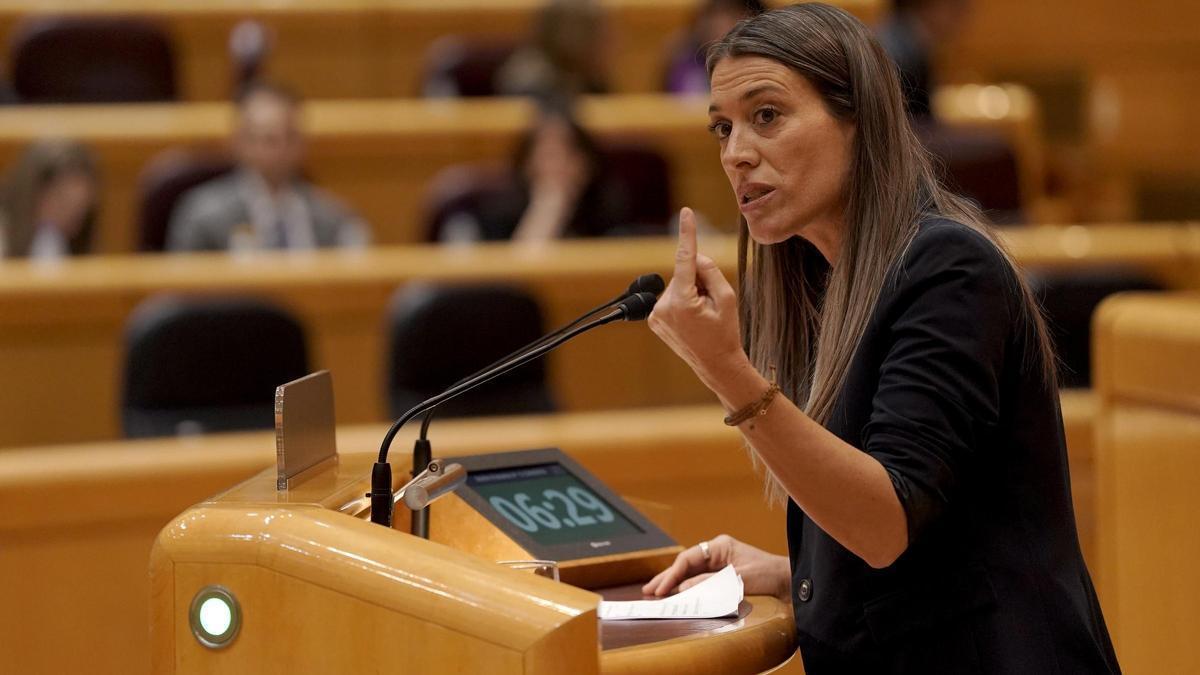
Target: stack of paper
[[716, 596]]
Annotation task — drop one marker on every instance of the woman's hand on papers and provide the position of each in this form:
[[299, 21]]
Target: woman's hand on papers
[[762, 573]]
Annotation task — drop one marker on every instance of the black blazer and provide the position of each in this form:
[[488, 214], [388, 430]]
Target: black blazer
[[945, 392]]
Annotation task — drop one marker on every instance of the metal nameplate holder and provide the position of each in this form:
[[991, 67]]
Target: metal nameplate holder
[[305, 442]]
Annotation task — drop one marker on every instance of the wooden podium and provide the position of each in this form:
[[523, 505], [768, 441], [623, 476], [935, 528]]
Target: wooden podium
[[319, 590]]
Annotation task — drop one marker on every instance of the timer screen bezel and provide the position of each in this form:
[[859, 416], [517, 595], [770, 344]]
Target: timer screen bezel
[[650, 537]]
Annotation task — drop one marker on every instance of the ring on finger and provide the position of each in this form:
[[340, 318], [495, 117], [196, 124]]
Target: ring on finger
[[704, 550]]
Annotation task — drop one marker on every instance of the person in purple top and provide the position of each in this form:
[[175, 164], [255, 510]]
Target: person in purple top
[[686, 73]]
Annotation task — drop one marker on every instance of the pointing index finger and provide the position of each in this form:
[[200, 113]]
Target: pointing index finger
[[685, 255]]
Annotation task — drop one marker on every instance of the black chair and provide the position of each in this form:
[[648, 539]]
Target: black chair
[[201, 365], [457, 66], [465, 189], [980, 164], [164, 180], [642, 179], [92, 60], [1068, 301], [440, 334]]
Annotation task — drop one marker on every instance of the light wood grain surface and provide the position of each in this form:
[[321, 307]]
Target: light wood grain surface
[[72, 563], [104, 503], [1148, 465], [1133, 109], [335, 585], [61, 349], [323, 592]]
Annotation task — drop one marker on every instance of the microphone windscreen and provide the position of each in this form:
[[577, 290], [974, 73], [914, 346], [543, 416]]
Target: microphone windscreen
[[647, 283], [637, 306]]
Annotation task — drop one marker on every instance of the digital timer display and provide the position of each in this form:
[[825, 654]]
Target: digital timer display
[[550, 504]]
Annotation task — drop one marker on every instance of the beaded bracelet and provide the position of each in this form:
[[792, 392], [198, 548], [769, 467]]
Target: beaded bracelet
[[758, 407]]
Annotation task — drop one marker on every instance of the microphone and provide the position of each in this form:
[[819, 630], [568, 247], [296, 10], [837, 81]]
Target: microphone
[[637, 306], [647, 283], [630, 306], [422, 450]]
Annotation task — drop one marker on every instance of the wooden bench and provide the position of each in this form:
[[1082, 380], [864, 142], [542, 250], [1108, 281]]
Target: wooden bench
[[61, 326], [1147, 449], [376, 155], [380, 155], [374, 48], [1121, 80], [104, 503], [61, 329]]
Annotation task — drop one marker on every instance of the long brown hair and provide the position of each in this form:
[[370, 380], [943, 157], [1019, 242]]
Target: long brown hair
[[41, 163], [808, 335]]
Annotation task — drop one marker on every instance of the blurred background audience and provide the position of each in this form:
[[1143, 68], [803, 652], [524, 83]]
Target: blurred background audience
[[686, 71], [48, 202], [912, 34], [265, 203], [560, 185], [567, 53], [978, 161]]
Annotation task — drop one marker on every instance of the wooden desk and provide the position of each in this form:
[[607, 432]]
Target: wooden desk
[[683, 457], [1147, 468], [61, 327], [670, 647], [375, 48], [332, 583], [673, 459], [379, 155]]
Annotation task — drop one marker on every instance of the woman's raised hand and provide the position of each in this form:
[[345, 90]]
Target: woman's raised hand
[[697, 315], [762, 573]]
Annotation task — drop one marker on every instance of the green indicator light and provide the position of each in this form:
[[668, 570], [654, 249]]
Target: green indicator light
[[215, 617]]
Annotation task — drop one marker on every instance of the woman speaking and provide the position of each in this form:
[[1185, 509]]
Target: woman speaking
[[891, 374]]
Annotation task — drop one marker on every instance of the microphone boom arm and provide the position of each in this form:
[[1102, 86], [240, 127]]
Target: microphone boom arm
[[381, 474], [651, 283]]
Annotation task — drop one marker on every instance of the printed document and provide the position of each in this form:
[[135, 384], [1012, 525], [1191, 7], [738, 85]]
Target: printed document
[[716, 596]]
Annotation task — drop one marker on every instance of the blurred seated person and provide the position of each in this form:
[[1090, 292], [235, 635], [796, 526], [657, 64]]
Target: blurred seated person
[[265, 203], [557, 189], [911, 34], [565, 57], [48, 202], [686, 72], [978, 163]]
